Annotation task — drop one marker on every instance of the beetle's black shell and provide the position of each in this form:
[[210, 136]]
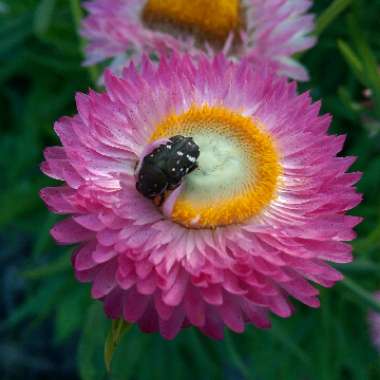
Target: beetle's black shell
[[151, 181], [164, 168]]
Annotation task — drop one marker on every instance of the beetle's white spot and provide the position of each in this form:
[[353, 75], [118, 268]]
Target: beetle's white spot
[[173, 169], [190, 158], [180, 153]]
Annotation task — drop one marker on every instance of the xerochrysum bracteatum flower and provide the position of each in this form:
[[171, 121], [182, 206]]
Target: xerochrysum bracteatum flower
[[201, 194], [271, 30]]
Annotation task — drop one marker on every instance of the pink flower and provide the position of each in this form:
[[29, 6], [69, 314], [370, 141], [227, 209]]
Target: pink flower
[[259, 216], [374, 324], [271, 30]]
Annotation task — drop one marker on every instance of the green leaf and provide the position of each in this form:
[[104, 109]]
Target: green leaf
[[118, 329], [361, 295], [201, 354], [235, 357], [43, 237], [43, 16], [18, 201], [38, 305], [364, 267], [61, 264], [330, 14], [281, 335], [126, 361], [17, 37], [89, 350], [70, 314], [353, 61], [372, 240], [370, 63]]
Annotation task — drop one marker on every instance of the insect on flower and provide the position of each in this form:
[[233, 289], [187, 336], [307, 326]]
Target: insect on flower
[[261, 216], [164, 168]]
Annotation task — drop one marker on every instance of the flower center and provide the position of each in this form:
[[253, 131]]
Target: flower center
[[209, 20], [237, 170]]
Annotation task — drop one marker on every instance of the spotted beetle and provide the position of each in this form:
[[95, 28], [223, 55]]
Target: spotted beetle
[[164, 168]]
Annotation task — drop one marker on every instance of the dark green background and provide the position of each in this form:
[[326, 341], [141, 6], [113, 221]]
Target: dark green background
[[50, 329]]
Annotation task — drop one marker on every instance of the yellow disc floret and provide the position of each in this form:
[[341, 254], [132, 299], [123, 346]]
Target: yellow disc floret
[[238, 167], [212, 20]]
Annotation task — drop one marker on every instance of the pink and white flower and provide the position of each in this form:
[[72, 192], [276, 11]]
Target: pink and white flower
[[261, 215], [271, 30]]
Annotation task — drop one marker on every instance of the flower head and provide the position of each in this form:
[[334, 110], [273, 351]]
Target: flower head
[[374, 324], [271, 30], [201, 194]]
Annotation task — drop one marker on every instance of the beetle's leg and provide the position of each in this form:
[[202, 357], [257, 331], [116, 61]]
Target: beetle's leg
[[193, 168], [158, 200], [162, 198]]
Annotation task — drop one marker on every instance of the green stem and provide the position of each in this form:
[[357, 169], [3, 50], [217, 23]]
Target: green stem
[[329, 15], [360, 267], [362, 295]]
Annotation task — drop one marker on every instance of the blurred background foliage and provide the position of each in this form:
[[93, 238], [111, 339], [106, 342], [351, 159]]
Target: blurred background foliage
[[49, 327]]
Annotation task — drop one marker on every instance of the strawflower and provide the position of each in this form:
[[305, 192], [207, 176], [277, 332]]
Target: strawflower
[[201, 194], [270, 30]]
